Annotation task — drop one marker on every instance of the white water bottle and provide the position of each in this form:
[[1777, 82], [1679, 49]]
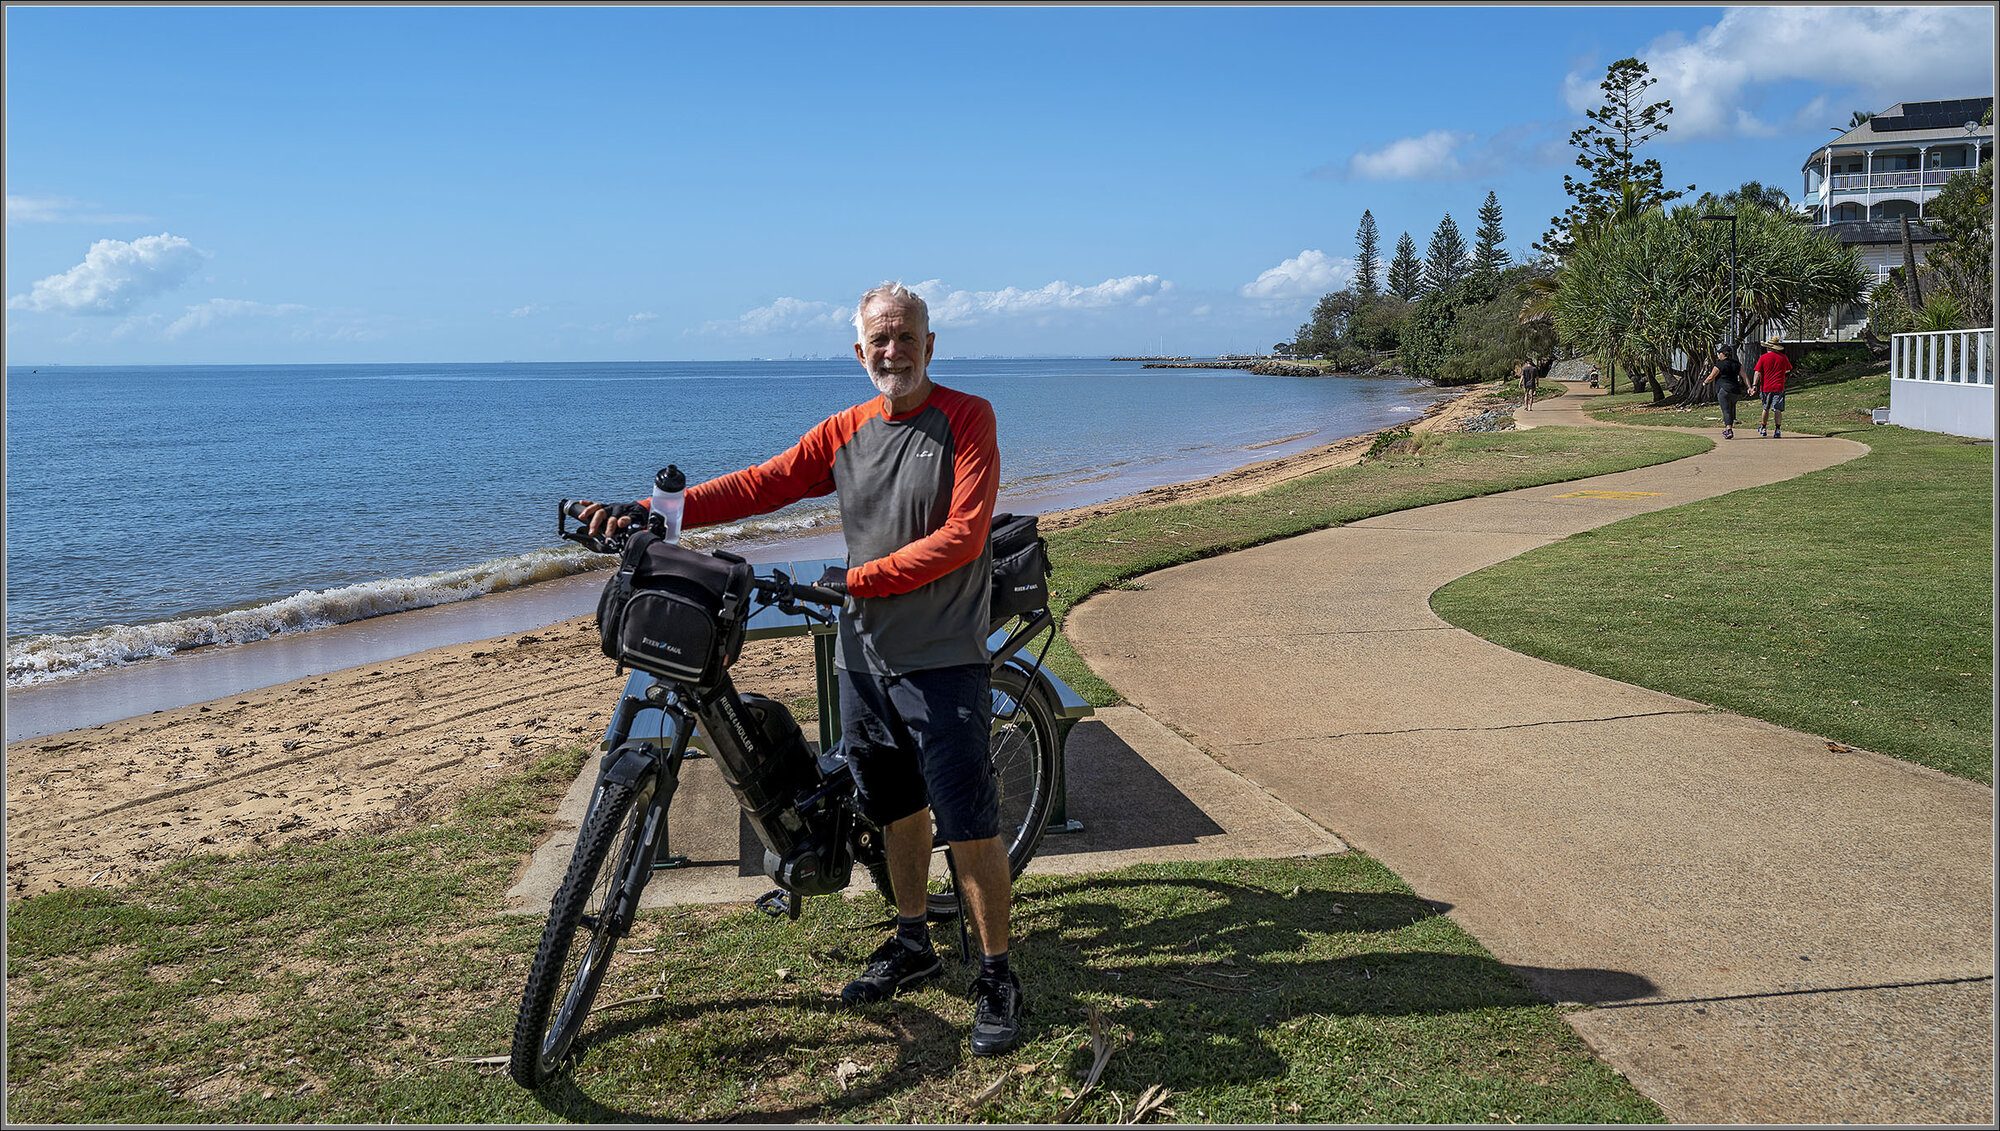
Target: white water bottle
[[669, 496]]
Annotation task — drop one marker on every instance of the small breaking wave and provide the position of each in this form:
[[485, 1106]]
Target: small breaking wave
[[780, 525], [48, 657]]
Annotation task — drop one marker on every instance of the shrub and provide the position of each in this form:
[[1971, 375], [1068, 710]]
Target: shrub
[[1821, 359], [1941, 312]]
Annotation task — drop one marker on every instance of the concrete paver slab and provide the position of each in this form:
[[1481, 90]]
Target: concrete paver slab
[[1884, 1056]]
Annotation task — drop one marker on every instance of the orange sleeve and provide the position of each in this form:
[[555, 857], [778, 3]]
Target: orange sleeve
[[962, 538]]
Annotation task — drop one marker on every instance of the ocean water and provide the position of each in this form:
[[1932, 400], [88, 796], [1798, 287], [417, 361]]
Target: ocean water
[[153, 510]]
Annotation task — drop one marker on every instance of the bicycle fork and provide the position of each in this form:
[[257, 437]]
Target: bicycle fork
[[635, 765]]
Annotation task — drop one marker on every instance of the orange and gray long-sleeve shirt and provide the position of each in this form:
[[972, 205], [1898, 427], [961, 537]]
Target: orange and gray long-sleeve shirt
[[916, 505]]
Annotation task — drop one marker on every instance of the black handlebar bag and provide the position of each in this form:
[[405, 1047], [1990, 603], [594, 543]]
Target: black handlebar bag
[[673, 612], [1020, 566]]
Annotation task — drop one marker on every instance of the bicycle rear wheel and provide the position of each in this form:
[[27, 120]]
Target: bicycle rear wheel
[[578, 942], [1026, 754]]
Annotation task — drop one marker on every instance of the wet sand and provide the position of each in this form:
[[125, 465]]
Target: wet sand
[[353, 728]]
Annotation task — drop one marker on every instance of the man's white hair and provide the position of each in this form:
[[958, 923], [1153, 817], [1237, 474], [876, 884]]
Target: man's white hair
[[894, 293]]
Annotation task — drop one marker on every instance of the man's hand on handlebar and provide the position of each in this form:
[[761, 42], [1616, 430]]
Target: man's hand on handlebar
[[601, 520], [835, 578], [603, 527]]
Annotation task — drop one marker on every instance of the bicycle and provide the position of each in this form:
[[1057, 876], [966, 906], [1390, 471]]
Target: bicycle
[[802, 807]]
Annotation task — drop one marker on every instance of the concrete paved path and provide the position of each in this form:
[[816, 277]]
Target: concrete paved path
[[1760, 928]]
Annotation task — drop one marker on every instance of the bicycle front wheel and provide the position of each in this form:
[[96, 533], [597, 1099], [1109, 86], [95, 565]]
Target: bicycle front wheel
[[581, 935]]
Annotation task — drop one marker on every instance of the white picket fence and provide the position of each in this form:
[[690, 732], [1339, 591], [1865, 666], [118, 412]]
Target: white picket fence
[[1943, 382]]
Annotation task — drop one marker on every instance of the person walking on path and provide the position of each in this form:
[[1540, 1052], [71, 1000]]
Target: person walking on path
[[1727, 376], [917, 470], [1531, 378], [1772, 369]]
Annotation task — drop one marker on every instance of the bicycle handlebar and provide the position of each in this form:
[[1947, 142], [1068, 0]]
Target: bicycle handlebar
[[777, 588], [784, 588]]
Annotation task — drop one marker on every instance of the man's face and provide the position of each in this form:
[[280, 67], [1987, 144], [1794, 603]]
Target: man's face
[[895, 348]]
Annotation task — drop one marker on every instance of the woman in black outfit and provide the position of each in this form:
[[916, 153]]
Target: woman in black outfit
[[1727, 373]]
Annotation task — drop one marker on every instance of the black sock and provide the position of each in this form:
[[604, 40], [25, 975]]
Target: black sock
[[914, 933], [993, 966]]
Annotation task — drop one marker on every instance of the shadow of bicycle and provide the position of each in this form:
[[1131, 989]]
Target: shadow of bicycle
[[1205, 979]]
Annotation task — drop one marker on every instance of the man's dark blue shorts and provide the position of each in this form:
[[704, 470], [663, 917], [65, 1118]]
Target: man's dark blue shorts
[[922, 738]]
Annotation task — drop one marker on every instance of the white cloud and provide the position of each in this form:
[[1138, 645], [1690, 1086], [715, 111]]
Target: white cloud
[[1454, 155], [1434, 156], [1310, 272], [37, 209], [783, 316], [1881, 55], [949, 307], [524, 311], [59, 210], [644, 316], [224, 309], [965, 308], [115, 276]]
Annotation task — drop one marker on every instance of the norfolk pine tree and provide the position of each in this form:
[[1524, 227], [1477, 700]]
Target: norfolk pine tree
[[1367, 262], [1489, 258], [1446, 263], [1618, 128], [1406, 271]]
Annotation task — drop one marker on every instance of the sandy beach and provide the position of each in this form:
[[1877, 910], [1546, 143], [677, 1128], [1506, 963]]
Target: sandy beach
[[389, 744]]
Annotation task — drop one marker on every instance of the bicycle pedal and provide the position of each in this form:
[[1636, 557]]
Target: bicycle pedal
[[775, 903]]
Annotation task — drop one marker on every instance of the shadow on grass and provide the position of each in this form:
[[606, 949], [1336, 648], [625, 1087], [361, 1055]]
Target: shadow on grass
[[1207, 983], [909, 1030]]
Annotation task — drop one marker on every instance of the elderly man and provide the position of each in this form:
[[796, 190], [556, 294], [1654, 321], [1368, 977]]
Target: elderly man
[[917, 469]]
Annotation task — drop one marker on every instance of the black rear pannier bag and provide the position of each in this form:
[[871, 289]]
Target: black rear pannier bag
[[1020, 566], [673, 612]]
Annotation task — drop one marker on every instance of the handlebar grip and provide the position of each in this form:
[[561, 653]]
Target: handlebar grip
[[818, 595], [573, 508]]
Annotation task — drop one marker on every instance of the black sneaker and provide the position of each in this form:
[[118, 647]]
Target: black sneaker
[[892, 967], [996, 1020]]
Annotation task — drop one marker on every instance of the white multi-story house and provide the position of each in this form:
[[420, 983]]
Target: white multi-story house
[[1891, 165], [1865, 182]]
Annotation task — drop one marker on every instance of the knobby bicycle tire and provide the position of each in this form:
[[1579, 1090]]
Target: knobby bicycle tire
[[1026, 754], [570, 965]]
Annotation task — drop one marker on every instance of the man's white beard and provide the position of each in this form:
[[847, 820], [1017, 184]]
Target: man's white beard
[[894, 385]]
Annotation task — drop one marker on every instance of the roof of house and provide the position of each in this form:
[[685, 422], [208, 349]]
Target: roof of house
[[1912, 123], [1880, 232]]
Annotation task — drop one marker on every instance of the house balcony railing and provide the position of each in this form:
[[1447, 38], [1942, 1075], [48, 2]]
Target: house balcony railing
[[1906, 178]]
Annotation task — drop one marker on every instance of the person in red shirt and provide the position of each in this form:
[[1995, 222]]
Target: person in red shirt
[[1772, 369]]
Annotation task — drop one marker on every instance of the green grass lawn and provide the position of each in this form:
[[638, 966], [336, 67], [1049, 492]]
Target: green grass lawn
[[369, 979], [1854, 602]]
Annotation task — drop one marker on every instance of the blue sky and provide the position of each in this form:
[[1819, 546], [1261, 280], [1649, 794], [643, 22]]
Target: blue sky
[[230, 185]]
